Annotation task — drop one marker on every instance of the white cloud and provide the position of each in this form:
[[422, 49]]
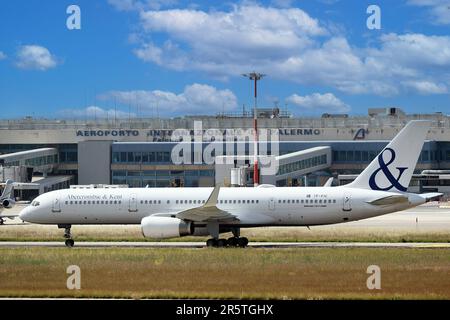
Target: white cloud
[[290, 44], [2, 55], [196, 98], [439, 10], [426, 87], [319, 102], [93, 112], [35, 57], [215, 41]]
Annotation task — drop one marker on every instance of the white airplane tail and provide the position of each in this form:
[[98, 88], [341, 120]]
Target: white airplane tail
[[7, 191], [393, 168]]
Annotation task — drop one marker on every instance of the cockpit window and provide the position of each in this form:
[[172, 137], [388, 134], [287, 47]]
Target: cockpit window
[[35, 203]]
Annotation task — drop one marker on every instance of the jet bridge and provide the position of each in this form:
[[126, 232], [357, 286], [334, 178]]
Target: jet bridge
[[42, 160]]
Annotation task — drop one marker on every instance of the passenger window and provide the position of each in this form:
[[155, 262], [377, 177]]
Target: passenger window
[[168, 201], [302, 201], [257, 201], [253, 201]]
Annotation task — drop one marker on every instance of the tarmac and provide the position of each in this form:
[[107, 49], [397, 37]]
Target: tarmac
[[193, 245]]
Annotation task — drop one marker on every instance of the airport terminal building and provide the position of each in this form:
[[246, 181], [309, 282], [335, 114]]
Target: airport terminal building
[[51, 154]]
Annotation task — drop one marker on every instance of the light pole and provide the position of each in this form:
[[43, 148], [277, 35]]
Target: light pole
[[254, 76]]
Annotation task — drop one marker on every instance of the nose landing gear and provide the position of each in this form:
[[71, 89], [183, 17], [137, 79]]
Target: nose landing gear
[[69, 241]]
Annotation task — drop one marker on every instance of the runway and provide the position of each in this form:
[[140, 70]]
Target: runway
[[194, 245], [426, 217]]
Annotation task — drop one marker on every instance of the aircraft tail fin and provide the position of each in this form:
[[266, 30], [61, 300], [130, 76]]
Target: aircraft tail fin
[[8, 190], [393, 168]]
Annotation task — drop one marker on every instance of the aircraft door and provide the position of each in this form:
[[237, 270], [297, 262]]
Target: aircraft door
[[132, 204], [347, 203], [56, 206], [271, 204]]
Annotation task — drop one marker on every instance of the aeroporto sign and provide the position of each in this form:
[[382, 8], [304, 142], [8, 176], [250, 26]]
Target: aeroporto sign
[[107, 133], [136, 133]]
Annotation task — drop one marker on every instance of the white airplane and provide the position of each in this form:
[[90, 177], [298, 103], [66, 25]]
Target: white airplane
[[176, 212], [6, 201]]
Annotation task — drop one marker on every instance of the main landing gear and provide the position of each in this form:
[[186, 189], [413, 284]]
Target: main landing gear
[[235, 241], [69, 241], [230, 242], [2, 221]]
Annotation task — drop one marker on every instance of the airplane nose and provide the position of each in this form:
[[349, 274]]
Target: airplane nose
[[24, 214]]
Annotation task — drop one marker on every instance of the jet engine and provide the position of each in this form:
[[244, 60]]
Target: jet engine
[[165, 227], [8, 203]]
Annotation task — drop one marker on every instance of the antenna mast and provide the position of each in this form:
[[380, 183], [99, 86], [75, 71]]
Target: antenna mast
[[254, 76]]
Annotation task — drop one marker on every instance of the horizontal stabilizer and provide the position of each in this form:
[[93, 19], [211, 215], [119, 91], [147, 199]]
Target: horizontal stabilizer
[[432, 196], [389, 200]]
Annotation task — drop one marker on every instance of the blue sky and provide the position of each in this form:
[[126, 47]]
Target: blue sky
[[170, 57]]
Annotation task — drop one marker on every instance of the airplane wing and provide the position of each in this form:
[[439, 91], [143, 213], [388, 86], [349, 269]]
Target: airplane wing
[[208, 212], [9, 216], [389, 200], [329, 182]]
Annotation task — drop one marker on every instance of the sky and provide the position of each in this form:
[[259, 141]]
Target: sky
[[169, 58]]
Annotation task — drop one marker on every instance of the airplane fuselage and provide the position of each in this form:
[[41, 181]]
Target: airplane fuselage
[[264, 206]]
